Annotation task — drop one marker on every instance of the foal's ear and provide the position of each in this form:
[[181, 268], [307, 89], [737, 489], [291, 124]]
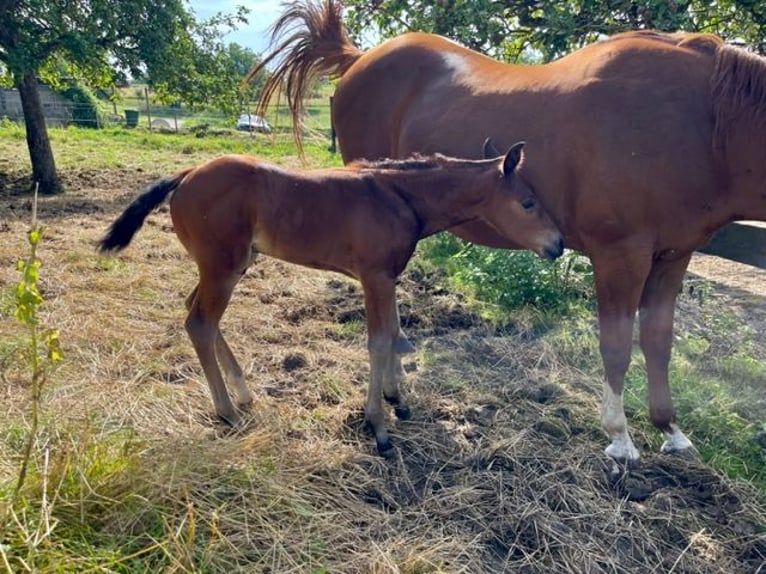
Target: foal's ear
[[513, 158], [488, 149]]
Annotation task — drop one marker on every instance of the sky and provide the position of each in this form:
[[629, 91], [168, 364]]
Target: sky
[[252, 35]]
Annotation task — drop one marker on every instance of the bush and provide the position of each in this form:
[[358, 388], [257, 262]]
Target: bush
[[513, 279], [85, 109]]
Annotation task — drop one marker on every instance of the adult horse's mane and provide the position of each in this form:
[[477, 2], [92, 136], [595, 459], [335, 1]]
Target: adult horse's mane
[[738, 88]]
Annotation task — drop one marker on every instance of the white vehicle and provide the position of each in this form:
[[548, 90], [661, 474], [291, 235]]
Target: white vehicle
[[253, 122]]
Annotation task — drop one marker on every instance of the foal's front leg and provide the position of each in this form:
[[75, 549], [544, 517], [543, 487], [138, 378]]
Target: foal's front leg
[[395, 374], [382, 332]]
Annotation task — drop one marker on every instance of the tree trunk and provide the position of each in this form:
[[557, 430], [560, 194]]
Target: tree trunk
[[40, 152]]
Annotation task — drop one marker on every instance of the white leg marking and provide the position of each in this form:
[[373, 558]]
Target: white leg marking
[[615, 425], [676, 440]]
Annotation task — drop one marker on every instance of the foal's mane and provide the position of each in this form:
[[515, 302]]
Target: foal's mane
[[415, 163], [739, 90]]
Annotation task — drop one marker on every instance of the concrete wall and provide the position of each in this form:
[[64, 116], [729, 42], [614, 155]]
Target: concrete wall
[[55, 108]]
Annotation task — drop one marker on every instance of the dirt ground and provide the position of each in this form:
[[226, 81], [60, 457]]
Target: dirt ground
[[499, 470]]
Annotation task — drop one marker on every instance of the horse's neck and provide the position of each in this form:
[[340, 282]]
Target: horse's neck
[[739, 89], [439, 200]]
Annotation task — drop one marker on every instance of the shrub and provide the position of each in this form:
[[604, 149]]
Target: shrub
[[513, 279], [85, 109]]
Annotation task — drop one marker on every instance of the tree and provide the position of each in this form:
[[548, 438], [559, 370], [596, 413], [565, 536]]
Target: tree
[[213, 80], [509, 29], [105, 41]]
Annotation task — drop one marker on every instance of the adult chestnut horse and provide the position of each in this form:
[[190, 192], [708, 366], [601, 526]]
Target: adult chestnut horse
[[363, 221], [641, 146]]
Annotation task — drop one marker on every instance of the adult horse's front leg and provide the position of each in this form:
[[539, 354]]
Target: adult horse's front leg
[[619, 276], [382, 333], [656, 322]]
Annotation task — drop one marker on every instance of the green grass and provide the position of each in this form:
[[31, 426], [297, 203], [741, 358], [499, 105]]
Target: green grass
[[117, 147]]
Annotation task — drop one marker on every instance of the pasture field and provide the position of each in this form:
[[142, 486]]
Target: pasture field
[[316, 122], [500, 468]]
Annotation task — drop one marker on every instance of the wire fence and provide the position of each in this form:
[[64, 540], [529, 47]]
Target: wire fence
[[168, 119]]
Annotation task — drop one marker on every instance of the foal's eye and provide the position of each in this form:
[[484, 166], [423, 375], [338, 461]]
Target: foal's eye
[[528, 203]]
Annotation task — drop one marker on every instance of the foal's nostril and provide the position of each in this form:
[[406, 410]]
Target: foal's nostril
[[555, 249]]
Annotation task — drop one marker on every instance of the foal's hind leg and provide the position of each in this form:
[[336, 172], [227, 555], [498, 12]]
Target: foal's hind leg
[[232, 371], [656, 320], [206, 308]]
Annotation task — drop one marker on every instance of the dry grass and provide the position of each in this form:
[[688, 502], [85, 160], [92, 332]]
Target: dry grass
[[498, 471]]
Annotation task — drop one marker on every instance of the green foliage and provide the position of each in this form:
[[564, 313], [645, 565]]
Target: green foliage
[[85, 112], [105, 42], [512, 279], [508, 30], [12, 130], [42, 350], [202, 72]]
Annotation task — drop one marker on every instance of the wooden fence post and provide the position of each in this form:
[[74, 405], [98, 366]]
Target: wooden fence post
[[148, 111], [333, 147]]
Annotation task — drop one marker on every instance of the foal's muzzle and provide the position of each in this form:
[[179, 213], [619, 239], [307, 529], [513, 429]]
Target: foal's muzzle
[[553, 250]]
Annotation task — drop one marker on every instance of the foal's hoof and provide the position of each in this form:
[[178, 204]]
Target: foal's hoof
[[402, 412], [385, 448], [235, 421], [402, 346], [245, 404]]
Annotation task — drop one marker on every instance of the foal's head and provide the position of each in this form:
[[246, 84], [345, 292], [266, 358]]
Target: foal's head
[[512, 207]]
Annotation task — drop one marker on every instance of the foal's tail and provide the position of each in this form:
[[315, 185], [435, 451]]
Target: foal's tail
[[123, 228], [317, 44]]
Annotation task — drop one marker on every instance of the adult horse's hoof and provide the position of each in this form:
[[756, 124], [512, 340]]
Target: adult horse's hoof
[[623, 452], [402, 412], [677, 443]]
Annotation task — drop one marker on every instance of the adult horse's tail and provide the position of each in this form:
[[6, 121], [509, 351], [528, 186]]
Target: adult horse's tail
[[317, 44], [120, 233]]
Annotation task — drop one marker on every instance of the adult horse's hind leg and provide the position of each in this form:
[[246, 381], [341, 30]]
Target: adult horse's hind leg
[[656, 321], [232, 371], [382, 332], [206, 308], [619, 276]]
